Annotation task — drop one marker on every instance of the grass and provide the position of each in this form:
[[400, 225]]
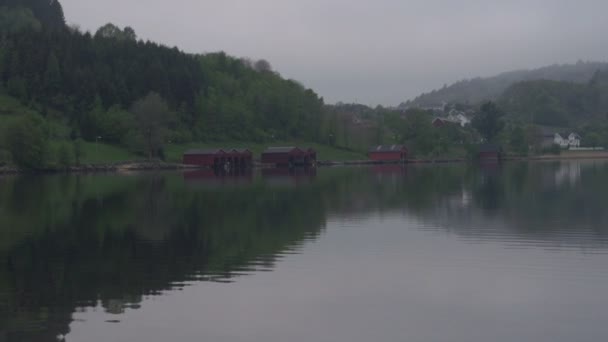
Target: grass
[[97, 153]]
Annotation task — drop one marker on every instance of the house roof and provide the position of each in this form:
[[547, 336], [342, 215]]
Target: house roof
[[205, 151], [446, 119], [240, 150], [285, 149], [216, 151], [387, 148]]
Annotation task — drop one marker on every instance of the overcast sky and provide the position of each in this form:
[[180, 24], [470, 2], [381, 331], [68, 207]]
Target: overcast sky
[[372, 52]]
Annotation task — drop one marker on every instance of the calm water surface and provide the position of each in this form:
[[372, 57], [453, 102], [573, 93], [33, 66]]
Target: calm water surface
[[441, 253]]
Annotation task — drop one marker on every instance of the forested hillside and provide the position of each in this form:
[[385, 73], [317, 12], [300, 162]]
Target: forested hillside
[[99, 86], [553, 103], [477, 90]]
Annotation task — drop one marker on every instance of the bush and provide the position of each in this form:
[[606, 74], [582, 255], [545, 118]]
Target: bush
[[5, 157], [554, 149], [64, 158], [78, 151], [27, 141]]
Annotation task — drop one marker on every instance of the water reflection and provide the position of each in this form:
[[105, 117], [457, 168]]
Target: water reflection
[[281, 176], [72, 242]]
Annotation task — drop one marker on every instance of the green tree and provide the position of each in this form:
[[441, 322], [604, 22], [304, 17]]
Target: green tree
[[17, 87], [417, 132], [17, 19], [488, 121], [112, 31], [78, 151], [109, 30], [27, 141], [64, 158], [517, 140], [129, 33], [593, 139], [52, 76], [152, 116]]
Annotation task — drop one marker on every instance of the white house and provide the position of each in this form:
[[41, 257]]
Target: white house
[[560, 141], [573, 140], [458, 117]]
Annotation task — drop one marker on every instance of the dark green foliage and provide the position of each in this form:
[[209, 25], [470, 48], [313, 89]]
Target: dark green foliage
[[18, 19], [417, 133], [548, 103], [52, 77], [595, 134], [488, 121], [78, 151], [17, 87], [554, 103], [593, 139], [26, 139], [48, 12], [152, 117], [85, 80], [64, 157], [5, 157], [517, 140], [114, 32], [553, 149]]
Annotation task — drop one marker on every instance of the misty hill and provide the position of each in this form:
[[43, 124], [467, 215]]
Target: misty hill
[[556, 103], [477, 90]]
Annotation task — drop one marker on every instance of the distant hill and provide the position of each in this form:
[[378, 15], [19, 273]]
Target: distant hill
[[483, 89], [555, 103]]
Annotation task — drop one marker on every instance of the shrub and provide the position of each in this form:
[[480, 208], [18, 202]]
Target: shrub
[[27, 141]]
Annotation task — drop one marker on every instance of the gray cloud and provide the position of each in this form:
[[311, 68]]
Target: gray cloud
[[373, 52]]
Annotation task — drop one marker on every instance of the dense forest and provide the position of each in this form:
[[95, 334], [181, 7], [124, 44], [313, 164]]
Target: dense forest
[[97, 86], [553, 103], [477, 90]]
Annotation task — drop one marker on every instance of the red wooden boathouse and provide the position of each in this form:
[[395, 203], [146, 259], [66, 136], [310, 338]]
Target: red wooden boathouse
[[388, 153], [289, 156], [489, 153], [219, 158]]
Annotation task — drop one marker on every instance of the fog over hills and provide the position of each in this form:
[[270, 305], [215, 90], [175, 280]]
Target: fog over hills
[[491, 88]]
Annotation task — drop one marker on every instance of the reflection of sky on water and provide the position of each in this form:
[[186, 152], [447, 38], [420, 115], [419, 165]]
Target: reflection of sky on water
[[385, 278], [437, 253]]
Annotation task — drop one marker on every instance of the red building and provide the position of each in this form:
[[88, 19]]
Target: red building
[[438, 122], [388, 153], [219, 158], [289, 156], [441, 122], [241, 158], [489, 153]]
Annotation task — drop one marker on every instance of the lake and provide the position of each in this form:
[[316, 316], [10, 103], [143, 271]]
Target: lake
[[517, 252]]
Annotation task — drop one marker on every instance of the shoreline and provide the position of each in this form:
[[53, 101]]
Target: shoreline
[[162, 166]]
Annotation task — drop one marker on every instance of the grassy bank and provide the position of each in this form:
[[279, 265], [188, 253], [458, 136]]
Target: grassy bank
[[101, 153]]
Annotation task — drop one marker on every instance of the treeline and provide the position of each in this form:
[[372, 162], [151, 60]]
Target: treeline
[[90, 83], [553, 103]]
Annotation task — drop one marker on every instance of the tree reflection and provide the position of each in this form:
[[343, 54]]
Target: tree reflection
[[68, 242]]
